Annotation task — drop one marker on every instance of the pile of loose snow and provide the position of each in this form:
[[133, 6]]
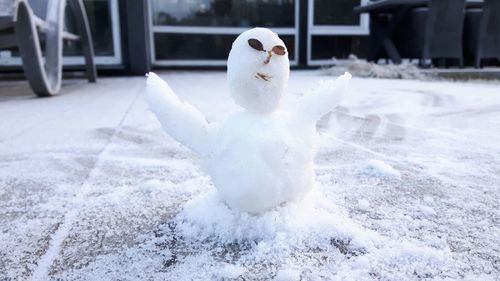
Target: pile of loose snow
[[312, 239], [377, 168], [206, 217], [364, 69]]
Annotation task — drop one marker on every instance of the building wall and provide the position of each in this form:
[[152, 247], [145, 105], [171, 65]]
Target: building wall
[[170, 33]]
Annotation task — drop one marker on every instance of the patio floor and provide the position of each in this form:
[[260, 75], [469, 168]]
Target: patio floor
[[408, 178]]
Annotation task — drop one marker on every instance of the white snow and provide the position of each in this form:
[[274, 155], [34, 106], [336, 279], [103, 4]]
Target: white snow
[[429, 199], [377, 168], [253, 84], [363, 204], [364, 69], [179, 119], [258, 158], [229, 271], [144, 210], [288, 275], [427, 211]]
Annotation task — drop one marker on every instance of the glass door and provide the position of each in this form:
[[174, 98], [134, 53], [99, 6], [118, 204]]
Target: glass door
[[200, 32], [104, 27], [334, 31]]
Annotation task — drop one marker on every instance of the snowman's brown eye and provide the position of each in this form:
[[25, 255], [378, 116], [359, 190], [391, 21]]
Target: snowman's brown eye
[[279, 50], [254, 43]]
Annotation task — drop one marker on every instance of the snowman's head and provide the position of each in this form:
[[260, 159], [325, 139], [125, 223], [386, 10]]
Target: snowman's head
[[258, 70]]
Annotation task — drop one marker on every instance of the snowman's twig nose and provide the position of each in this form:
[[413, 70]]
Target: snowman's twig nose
[[269, 55]]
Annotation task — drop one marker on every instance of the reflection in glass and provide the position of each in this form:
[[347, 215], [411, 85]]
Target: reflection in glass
[[175, 46], [228, 13], [99, 15], [339, 47], [192, 46], [335, 12]]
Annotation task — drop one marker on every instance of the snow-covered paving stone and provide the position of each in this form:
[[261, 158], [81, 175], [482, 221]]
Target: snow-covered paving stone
[[408, 177]]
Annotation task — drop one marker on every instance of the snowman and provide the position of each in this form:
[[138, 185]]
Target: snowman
[[259, 157]]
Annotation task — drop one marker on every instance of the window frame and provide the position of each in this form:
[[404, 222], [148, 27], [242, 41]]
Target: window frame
[[213, 30], [332, 30]]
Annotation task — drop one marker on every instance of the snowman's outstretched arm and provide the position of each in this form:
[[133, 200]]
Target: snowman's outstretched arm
[[179, 119], [323, 99]]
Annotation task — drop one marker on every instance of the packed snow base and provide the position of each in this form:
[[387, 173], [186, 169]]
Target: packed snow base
[[101, 158]]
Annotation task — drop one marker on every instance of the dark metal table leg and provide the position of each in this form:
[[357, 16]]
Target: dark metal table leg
[[382, 35], [377, 34], [392, 51]]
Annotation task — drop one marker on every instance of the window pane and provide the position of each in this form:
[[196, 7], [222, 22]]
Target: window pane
[[340, 47], [169, 46], [228, 13], [335, 12], [174, 46], [99, 15]]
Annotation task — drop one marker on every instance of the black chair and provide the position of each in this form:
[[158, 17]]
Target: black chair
[[433, 32], [24, 24], [482, 32]]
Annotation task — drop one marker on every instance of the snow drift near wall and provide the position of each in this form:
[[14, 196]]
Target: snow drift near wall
[[364, 69]]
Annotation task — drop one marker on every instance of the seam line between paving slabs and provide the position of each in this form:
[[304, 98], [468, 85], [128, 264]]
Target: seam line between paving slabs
[[47, 259]]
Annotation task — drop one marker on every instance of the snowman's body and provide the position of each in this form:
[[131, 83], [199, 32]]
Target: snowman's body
[[258, 158], [260, 161]]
